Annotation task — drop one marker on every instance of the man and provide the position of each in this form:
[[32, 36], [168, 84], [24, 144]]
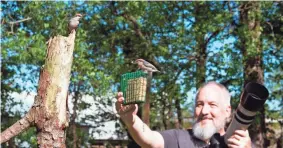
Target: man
[[212, 109]]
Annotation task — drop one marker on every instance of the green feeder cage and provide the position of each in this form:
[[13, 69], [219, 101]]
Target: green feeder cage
[[133, 86]]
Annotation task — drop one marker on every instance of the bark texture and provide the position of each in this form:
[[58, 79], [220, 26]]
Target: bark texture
[[74, 116], [51, 117], [179, 121], [49, 112], [18, 127]]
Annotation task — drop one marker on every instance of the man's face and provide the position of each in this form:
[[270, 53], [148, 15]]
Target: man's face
[[210, 111]]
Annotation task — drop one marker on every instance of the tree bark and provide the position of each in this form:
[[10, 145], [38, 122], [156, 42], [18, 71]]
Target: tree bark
[[179, 122], [18, 127], [74, 116], [52, 119], [146, 106], [201, 40], [49, 111], [251, 48], [200, 47]]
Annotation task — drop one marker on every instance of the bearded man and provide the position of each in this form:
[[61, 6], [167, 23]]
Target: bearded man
[[211, 112]]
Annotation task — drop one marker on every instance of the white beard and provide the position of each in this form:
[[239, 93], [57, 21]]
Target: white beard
[[208, 130]]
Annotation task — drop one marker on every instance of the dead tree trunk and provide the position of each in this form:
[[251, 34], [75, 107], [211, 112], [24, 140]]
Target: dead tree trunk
[[49, 112]]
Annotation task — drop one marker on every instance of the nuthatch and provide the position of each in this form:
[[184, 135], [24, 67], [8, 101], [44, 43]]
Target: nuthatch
[[146, 66], [74, 22]]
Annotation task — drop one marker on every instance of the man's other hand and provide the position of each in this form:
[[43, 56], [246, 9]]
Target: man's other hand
[[240, 139]]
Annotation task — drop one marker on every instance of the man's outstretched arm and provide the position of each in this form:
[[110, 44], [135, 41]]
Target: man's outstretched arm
[[140, 132]]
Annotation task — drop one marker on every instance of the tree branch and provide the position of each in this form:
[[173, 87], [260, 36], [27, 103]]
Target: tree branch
[[18, 127], [17, 22], [271, 27], [135, 24], [175, 78], [214, 34]]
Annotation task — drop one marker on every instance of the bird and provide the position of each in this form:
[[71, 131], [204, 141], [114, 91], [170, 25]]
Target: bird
[[74, 22], [146, 66]]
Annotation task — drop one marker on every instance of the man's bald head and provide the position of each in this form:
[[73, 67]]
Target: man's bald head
[[224, 93]]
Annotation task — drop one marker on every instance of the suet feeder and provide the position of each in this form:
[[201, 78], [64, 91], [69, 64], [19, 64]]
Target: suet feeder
[[133, 86]]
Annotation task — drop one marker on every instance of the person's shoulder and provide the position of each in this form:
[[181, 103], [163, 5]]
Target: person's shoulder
[[183, 131], [177, 130]]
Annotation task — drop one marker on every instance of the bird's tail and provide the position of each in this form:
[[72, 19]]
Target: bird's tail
[[149, 76]]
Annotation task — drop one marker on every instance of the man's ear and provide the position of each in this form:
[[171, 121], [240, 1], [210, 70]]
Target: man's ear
[[228, 111]]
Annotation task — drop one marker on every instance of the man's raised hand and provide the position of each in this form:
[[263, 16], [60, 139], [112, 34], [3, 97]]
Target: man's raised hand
[[126, 112]]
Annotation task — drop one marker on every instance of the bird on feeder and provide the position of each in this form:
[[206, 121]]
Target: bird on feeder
[[146, 66]]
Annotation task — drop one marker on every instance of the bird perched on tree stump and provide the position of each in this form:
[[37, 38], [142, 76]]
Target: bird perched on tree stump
[[74, 22]]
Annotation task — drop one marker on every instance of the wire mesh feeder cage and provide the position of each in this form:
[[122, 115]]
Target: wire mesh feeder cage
[[133, 86]]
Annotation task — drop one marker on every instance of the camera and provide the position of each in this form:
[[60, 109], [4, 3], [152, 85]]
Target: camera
[[252, 100]]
